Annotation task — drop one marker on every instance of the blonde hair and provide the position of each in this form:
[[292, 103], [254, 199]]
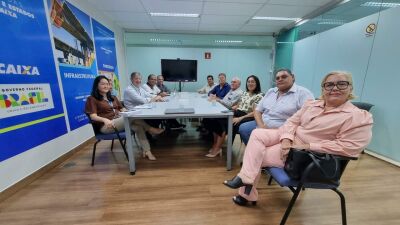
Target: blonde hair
[[348, 77]]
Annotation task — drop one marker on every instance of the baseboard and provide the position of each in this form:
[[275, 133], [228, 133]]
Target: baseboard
[[384, 158], [35, 175]]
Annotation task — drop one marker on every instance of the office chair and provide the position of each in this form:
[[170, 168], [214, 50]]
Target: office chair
[[281, 177], [311, 178], [120, 135]]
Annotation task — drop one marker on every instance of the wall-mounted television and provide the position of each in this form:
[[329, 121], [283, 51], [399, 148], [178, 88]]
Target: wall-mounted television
[[179, 70]]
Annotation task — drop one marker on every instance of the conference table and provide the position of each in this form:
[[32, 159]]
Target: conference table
[[179, 102]]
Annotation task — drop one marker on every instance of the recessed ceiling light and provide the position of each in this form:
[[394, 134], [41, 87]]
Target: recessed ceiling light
[[176, 14], [381, 4], [275, 18], [228, 41]]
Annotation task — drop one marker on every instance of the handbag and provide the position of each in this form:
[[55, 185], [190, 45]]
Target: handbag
[[325, 166]]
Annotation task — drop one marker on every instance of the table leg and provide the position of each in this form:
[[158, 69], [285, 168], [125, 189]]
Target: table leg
[[229, 144], [129, 146]]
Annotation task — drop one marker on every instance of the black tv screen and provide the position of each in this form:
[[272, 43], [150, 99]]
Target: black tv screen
[[179, 70]]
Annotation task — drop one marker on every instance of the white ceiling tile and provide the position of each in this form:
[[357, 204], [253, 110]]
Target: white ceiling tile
[[224, 28], [300, 3], [137, 25], [172, 6], [223, 8], [164, 19], [128, 16], [275, 23], [285, 10], [118, 5], [239, 1], [176, 26], [260, 29], [217, 19]]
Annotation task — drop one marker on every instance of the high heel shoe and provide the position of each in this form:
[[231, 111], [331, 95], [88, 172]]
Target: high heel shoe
[[155, 131], [149, 155], [236, 182], [210, 155], [239, 200]]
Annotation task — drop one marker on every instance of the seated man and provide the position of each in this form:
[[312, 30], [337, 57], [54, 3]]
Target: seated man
[[278, 104], [208, 87], [232, 97], [151, 88], [161, 86], [135, 94], [222, 89]]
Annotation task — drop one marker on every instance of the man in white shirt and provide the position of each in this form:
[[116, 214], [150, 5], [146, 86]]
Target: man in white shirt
[[151, 86], [208, 87], [135, 94]]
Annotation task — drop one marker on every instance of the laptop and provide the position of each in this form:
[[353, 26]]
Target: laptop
[[179, 111]]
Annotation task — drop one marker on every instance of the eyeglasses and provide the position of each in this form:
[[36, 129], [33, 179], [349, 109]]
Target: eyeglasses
[[341, 85]]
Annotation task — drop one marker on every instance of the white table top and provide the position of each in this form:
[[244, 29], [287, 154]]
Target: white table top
[[199, 102]]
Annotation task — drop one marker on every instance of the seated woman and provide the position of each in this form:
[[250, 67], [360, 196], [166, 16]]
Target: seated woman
[[330, 125], [243, 112], [103, 109]]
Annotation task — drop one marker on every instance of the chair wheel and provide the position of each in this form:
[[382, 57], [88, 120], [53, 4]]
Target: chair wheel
[[133, 173]]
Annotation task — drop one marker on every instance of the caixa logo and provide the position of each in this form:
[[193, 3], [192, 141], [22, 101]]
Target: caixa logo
[[11, 69], [22, 99]]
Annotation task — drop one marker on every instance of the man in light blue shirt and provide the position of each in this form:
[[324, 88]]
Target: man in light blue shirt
[[278, 104]]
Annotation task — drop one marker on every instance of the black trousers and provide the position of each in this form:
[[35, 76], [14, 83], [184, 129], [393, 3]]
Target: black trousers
[[220, 125]]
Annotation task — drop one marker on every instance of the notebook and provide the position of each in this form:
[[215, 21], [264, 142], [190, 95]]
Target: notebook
[[179, 111]]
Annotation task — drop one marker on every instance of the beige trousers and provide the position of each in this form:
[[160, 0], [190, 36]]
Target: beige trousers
[[139, 126]]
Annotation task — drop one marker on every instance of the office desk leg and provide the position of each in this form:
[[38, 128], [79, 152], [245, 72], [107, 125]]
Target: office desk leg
[[129, 145], [229, 145]]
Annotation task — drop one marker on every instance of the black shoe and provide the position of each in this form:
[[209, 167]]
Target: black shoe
[[239, 200], [236, 182]]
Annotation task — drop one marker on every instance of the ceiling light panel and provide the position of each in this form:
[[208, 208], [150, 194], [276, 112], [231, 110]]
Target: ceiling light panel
[[381, 4]]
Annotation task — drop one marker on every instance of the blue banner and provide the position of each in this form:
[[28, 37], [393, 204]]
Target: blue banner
[[31, 110], [75, 54], [106, 54]]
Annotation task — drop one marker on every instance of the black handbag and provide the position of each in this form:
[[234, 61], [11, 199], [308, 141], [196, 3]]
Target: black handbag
[[325, 166]]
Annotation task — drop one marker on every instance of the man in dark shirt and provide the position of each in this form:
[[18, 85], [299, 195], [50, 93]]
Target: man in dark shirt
[[222, 89]]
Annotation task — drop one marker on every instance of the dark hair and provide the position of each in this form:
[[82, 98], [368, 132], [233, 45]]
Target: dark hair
[[95, 89], [133, 74], [148, 77], [284, 70], [258, 85], [212, 78]]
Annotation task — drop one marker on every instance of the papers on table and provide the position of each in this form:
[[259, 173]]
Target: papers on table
[[130, 112], [144, 106]]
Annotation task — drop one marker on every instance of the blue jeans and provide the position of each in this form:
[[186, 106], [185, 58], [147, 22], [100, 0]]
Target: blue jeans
[[245, 130]]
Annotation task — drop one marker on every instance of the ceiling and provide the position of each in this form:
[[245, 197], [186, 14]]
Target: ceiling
[[216, 16]]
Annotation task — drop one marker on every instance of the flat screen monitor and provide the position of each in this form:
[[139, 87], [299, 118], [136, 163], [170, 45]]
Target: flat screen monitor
[[179, 70]]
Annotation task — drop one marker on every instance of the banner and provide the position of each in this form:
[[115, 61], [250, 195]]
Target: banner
[[106, 54], [31, 110], [75, 53]]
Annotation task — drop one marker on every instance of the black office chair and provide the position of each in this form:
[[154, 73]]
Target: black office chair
[[308, 180], [280, 176], [120, 135]]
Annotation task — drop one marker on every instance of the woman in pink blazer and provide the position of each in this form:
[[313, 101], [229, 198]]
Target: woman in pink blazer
[[329, 125]]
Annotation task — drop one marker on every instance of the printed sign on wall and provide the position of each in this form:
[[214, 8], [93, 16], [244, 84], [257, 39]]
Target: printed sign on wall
[[31, 110], [106, 54], [75, 54]]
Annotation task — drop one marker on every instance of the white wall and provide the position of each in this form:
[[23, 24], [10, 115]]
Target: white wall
[[20, 166], [233, 62], [374, 62]]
